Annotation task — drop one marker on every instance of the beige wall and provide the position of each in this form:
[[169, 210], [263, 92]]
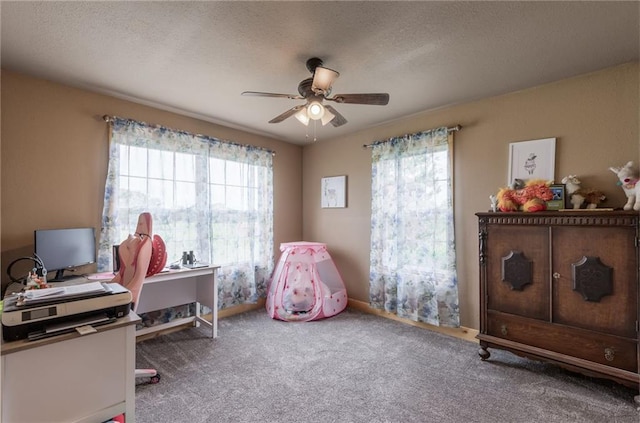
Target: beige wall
[[54, 158], [593, 117], [54, 162]]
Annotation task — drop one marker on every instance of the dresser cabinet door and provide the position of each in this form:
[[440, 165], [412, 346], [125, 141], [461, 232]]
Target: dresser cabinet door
[[595, 279], [518, 270]]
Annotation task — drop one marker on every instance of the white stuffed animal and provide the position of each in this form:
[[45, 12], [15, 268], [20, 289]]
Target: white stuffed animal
[[579, 196], [628, 180]]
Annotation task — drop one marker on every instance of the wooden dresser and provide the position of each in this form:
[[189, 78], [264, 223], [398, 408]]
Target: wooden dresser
[[562, 287]]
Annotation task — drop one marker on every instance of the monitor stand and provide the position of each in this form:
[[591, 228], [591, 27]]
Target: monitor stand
[[59, 277]]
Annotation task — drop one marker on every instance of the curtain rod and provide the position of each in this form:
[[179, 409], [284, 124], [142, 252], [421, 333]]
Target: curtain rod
[[452, 129], [110, 119]]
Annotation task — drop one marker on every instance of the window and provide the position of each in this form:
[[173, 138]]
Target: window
[[207, 196], [412, 238]]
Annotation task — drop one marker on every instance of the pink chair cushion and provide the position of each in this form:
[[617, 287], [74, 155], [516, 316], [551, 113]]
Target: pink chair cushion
[[158, 256]]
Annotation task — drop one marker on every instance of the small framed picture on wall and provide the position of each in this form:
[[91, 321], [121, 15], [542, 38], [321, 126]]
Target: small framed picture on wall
[[333, 192]]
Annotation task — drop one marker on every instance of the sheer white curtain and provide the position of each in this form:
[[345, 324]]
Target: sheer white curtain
[[413, 259], [208, 196]]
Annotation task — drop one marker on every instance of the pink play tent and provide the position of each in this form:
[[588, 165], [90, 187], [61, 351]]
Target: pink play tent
[[306, 284]]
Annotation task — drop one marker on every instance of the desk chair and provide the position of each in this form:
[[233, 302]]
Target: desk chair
[[141, 255]]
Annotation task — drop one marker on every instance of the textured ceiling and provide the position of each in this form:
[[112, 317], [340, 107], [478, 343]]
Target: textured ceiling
[[195, 58]]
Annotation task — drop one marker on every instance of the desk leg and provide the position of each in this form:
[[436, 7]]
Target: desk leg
[[214, 311], [207, 294]]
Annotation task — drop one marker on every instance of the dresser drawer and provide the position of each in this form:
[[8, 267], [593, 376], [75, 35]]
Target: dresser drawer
[[596, 347]]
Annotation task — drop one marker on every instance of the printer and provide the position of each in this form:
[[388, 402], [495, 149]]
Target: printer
[[47, 312]]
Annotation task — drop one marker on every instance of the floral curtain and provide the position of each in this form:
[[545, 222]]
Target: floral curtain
[[208, 196], [413, 257]]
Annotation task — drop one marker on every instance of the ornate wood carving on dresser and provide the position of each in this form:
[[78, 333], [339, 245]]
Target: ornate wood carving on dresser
[[516, 270], [563, 287]]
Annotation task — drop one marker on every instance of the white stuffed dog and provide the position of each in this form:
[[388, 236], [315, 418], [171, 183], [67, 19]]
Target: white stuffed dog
[[628, 180]]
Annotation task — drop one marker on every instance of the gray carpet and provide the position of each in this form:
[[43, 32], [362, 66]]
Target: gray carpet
[[356, 367]]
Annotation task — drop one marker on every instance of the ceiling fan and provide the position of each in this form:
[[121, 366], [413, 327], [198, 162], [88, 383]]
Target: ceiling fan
[[317, 89]]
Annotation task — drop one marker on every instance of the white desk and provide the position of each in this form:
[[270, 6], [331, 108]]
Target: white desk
[[170, 289], [71, 378], [177, 287]]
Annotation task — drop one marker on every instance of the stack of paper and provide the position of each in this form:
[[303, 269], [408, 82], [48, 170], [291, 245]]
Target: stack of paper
[[34, 294], [62, 292]]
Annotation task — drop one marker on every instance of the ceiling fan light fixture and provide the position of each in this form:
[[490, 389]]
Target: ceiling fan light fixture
[[328, 117], [323, 79], [315, 110], [302, 117]]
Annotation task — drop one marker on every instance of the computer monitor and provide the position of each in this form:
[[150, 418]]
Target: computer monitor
[[65, 249]]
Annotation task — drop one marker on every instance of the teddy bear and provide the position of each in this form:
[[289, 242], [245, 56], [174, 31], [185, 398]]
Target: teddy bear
[[628, 180], [579, 196], [532, 197]]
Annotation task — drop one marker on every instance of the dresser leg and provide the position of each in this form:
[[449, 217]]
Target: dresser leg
[[484, 353]]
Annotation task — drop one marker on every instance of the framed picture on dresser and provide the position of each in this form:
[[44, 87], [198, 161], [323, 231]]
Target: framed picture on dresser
[[558, 200]]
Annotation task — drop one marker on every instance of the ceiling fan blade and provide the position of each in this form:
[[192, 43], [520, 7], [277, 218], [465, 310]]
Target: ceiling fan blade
[[338, 120], [378, 99], [323, 78], [292, 111], [261, 94]]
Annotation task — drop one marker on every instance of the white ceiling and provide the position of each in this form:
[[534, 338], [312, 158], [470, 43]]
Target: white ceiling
[[195, 58]]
